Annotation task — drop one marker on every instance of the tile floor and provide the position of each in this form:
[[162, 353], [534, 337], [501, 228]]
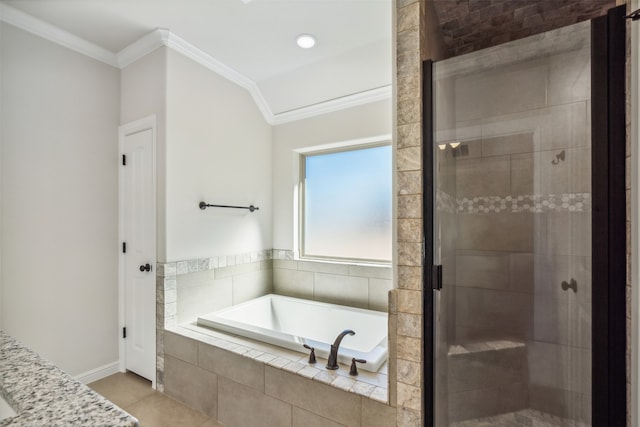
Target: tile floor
[[524, 418], [152, 408]]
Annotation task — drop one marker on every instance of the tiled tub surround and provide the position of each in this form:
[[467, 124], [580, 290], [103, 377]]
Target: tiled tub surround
[[522, 202], [291, 322], [354, 285], [364, 394], [242, 382], [43, 395]]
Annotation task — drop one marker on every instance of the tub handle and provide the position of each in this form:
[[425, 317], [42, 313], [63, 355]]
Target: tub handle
[[312, 355], [354, 369]]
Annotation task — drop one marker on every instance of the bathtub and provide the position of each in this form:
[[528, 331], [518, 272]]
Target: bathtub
[[291, 322]]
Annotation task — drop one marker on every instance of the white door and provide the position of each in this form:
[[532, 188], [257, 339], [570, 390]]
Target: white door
[[138, 252]]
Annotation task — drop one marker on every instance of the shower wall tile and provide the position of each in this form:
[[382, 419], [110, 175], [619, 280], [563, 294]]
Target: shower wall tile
[[408, 63], [409, 372], [563, 126], [408, 17], [486, 176], [409, 277], [561, 403], [409, 348], [409, 183], [569, 77], [409, 111], [562, 321], [498, 92], [409, 206], [487, 369], [409, 253], [560, 367], [482, 271], [550, 271], [408, 159], [522, 174], [409, 135], [409, 301], [487, 402], [409, 230], [490, 314], [408, 87], [512, 144], [409, 396], [509, 232], [409, 325], [521, 272]]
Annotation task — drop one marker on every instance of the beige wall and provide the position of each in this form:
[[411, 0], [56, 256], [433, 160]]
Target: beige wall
[[60, 201], [219, 151], [143, 93]]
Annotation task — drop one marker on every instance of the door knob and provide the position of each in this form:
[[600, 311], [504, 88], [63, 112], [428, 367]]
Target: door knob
[[145, 267]]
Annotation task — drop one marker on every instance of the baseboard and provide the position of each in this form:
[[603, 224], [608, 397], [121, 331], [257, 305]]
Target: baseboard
[[98, 373]]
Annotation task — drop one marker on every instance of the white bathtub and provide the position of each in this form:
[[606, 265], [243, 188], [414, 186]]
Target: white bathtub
[[291, 322]]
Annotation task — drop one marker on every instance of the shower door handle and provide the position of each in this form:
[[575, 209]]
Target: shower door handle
[[437, 277]]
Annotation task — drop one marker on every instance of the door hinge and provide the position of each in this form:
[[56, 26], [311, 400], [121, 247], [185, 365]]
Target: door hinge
[[124, 160], [124, 332], [124, 247], [437, 277]]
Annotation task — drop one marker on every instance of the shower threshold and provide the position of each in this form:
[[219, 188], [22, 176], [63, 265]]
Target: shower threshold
[[525, 417]]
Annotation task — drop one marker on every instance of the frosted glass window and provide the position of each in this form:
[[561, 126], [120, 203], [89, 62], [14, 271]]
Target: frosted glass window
[[346, 212]]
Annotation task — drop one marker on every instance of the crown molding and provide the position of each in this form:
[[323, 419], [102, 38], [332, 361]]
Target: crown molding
[[164, 37], [182, 46], [57, 35], [143, 46], [337, 104]]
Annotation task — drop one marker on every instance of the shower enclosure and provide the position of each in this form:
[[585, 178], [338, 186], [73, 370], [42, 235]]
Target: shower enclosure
[[522, 321]]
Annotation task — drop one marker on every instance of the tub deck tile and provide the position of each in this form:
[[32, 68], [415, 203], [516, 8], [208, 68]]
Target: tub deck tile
[[309, 371], [293, 367], [362, 389], [278, 362], [380, 394], [343, 383]]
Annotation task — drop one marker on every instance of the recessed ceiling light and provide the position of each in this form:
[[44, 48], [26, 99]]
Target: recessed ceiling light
[[306, 41]]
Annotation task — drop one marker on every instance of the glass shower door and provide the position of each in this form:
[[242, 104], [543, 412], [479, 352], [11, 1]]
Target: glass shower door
[[512, 231]]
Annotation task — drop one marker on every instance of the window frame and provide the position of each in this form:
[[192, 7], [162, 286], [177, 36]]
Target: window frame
[[301, 216]]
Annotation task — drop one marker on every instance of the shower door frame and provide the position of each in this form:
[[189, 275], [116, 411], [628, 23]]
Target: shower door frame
[[609, 245]]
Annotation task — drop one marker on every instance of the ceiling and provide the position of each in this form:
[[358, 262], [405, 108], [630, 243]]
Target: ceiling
[[255, 38]]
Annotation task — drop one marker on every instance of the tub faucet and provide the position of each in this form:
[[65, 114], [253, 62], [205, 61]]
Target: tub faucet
[[332, 363]]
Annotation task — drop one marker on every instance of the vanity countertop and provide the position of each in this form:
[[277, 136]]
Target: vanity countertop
[[43, 395]]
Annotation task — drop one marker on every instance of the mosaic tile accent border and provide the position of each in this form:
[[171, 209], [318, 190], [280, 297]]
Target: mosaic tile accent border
[[535, 203], [204, 264]]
